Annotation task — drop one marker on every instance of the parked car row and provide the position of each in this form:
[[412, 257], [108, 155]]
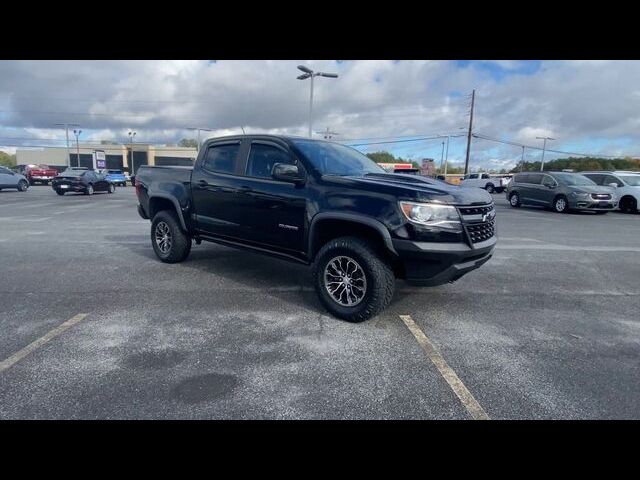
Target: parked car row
[[564, 192]]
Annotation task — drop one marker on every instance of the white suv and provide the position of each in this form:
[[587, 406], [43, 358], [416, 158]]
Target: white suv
[[627, 186]]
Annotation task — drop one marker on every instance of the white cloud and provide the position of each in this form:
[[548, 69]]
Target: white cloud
[[572, 101]]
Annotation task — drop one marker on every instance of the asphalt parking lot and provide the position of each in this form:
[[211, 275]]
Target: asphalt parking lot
[[547, 329]]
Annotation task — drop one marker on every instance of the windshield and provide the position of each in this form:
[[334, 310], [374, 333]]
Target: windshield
[[633, 180], [573, 179], [335, 159], [114, 172]]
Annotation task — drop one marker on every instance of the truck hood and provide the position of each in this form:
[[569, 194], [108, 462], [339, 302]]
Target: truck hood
[[413, 187]]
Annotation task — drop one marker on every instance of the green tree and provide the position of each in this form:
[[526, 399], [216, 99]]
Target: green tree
[[7, 160], [188, 142], [382, 157]]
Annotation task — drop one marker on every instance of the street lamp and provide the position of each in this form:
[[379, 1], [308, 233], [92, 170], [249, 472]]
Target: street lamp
[[199, 129], [77, 134], [132, 135], [446, 155], [308, 73], [544, 147], [66, 128]]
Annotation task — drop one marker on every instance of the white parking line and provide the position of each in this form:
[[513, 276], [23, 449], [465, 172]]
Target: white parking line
[[16, 357], [468, 401], [569, 248]]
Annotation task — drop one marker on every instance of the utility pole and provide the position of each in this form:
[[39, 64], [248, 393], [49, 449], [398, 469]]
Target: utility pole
[[446, 158], [66, 128], [442, 158], [466, 163], [522, 161], [544, 147], [327, 134], [77, 134]]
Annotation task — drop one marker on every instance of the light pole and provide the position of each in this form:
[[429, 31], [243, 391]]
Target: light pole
[[77, 134], [199, 129], [308, 73], [544, 147], [446, 155], [132, 135], [66, 128]]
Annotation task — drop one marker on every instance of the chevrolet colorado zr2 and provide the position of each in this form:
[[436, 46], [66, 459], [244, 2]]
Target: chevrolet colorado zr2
[[321, 204]]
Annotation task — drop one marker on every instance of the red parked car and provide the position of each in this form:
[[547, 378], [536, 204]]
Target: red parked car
[[39, 174]]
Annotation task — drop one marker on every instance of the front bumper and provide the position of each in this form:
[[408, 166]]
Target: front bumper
[[431, 264], [592, 204]]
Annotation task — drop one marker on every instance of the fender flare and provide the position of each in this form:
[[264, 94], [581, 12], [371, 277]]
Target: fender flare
[[351, 217], [176, 205]]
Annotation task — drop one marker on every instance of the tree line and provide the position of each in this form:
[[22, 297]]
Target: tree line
[[581, 164]]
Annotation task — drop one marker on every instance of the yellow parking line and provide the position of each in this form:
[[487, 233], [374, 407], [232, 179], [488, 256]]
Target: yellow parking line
[[19, 355], [468, 401]]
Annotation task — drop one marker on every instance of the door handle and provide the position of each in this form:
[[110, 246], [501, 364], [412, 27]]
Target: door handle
[[203, 183]]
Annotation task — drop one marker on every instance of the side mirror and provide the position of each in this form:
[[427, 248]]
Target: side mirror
[[287, 173], [613, 185]]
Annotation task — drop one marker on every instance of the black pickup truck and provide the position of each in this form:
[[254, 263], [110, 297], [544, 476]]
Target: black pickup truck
[[321, 204]]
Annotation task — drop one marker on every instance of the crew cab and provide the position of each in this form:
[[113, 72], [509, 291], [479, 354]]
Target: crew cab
[[320, 204], [485, 181], [39, 174]]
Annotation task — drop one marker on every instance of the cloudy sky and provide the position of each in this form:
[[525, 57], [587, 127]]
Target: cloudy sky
[[587, 106]]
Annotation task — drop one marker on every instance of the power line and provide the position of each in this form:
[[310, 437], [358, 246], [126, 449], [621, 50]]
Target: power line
[[534, 147]]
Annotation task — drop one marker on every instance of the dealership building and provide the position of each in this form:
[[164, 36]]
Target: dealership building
[[118, 157]]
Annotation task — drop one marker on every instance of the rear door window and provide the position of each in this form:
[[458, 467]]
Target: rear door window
[[222, 158], [596, 177], [534, 178]]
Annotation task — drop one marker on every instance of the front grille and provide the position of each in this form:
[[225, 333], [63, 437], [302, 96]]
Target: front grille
[[601, 196], [475, 210], [479, 232], [479, 222]]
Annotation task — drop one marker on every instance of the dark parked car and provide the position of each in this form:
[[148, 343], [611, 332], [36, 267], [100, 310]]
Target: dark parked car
[[85, 181], [561, 191], [322, 204]]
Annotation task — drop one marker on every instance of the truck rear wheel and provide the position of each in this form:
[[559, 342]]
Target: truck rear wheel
[[170, 243], [352, 280]]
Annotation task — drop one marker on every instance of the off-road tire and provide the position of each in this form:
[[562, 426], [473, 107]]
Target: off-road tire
[[180, 241], [380, 280]]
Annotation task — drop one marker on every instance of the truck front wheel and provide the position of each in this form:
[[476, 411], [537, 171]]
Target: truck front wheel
[[352, 280], [170, 243]]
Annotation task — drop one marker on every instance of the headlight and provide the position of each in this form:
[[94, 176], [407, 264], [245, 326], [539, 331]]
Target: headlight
[[445, 217], [580, 194]]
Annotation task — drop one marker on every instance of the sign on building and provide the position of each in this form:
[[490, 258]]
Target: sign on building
[[99, 160]]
